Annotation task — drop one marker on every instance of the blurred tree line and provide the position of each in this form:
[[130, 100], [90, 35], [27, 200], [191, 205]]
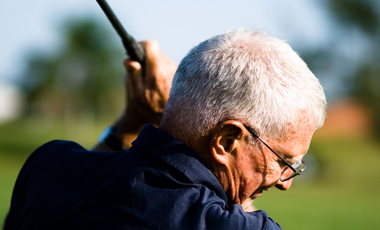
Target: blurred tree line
[[352, 56], [82, 78]]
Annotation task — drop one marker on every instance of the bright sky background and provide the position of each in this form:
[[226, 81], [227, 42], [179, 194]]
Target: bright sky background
[[177, 25]]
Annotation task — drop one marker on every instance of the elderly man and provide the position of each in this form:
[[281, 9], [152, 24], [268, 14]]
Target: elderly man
[[240, 117]]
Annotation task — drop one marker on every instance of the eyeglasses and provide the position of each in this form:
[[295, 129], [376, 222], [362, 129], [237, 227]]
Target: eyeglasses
[[292, 170]]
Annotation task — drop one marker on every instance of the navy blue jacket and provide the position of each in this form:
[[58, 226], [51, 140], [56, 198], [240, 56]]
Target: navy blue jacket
[[159, 183]]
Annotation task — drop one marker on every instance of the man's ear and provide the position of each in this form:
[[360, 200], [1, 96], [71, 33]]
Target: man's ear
[[226, 140]]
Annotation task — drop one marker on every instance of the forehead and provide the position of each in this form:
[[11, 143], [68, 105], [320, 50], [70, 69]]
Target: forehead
[[296, 143]]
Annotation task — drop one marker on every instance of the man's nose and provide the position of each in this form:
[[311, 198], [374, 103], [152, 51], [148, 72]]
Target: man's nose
[[284, 185]]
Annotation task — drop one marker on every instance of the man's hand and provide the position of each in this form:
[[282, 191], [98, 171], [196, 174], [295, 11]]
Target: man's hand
[[147, 91]]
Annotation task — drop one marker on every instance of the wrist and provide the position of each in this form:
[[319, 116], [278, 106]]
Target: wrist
[[129, 122], [127, 127]]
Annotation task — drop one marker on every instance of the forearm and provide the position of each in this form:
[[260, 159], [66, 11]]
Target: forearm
[[126, 129]]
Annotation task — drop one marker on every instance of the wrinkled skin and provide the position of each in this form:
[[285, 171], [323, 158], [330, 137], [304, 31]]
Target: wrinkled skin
[[244, 169]]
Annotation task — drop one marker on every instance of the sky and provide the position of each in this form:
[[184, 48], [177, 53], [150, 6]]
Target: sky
[[177, 25]]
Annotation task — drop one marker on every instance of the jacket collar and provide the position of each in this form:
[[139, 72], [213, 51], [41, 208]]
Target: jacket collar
[[155, 141]]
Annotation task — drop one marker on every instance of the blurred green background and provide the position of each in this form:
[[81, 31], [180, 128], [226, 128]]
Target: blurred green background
[[76, 90]]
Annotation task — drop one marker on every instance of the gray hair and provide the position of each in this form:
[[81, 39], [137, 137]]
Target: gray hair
[[247, 76]]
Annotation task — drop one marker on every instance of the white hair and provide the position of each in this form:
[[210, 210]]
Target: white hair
[[247, 76]]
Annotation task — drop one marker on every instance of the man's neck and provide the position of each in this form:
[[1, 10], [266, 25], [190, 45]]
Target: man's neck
[[197, 144]]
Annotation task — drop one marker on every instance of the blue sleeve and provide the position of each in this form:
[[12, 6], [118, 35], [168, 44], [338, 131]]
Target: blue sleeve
[[195, 207], [39, 197], [236, 218]]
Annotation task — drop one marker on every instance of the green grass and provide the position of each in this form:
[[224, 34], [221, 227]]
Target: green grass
[[315, 208], [342, 193]]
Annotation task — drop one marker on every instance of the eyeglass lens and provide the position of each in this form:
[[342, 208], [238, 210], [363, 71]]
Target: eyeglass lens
[[289, 173]]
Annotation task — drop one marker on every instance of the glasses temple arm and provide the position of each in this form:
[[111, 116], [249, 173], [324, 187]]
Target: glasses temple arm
[[287, 163]]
